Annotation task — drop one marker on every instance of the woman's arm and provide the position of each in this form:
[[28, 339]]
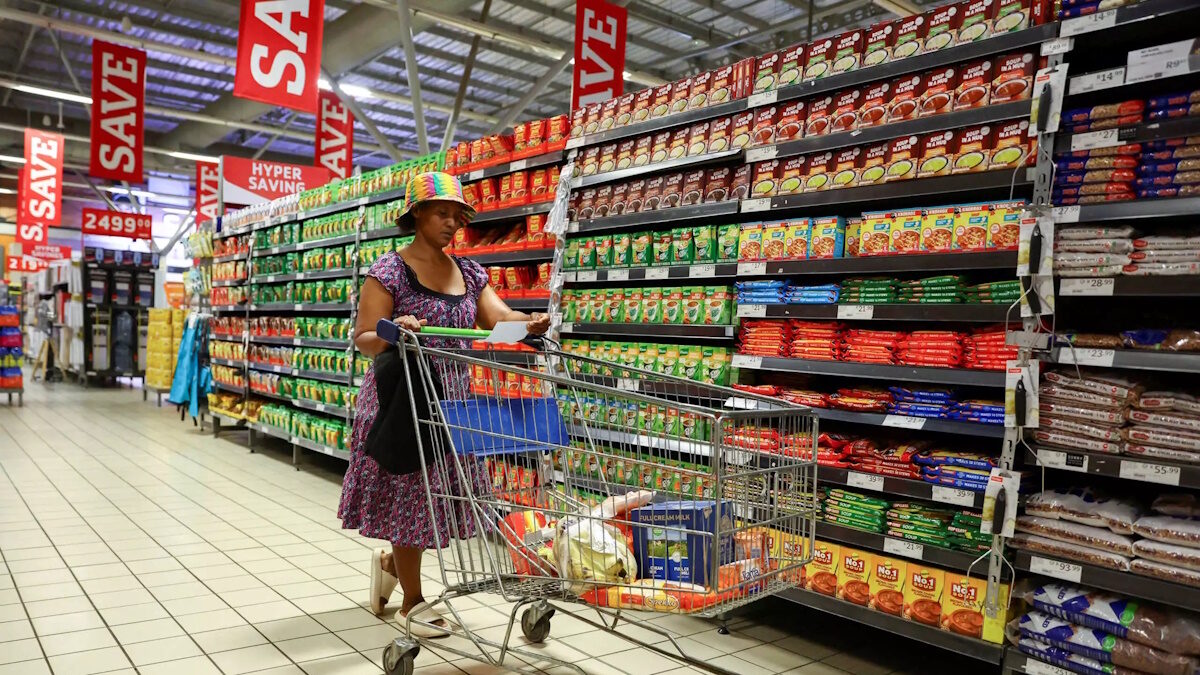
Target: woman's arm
[[492, 310], [375, 303]]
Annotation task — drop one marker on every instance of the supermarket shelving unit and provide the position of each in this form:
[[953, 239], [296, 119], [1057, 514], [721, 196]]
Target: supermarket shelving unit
[[110, 266]]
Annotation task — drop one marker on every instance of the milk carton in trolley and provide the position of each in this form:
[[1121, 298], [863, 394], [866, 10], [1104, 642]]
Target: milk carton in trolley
[[666, 548]]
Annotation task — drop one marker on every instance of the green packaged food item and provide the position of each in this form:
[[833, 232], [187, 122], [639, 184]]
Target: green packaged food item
[[622, 250], [847, 496], [583, 307], [854, 523], [652, 305], [604, 251], [704, 243], [694, 427], [690, 363], [693, 305], [568, 305], [940, 542], [663, 245], [633, 305], [718, 305], [586, 260], [615, 305], [672, 311], [853, 509], [648, 356], [727, 242], [668, 356], [716, 361], [642, 250], [599, 306], [683, 251]]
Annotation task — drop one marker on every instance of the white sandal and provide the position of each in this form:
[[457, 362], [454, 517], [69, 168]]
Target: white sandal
[[382, 582], [422, 625]]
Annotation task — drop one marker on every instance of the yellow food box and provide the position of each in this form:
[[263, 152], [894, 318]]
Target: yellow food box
[[906, 231], [971, 227], [923, 587], [887, 585], [875, 235], [937, 230], [788, 549], [798, 233], [750, 242], [774, 241], [854, 576], [821, 574], [963, 609], [1004, 225]]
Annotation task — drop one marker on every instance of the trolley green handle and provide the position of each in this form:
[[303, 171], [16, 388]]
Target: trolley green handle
[[390, 332]]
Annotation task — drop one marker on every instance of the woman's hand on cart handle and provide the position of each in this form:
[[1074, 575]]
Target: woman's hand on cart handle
[[538, 323], [410, 322]]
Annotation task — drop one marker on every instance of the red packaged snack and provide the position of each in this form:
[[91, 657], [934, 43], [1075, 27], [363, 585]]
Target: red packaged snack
[[790, 125], [904, 103], [620, 195], [937, 96], [874, 164], [625, 109], [877, 45], [578, 121], [557, 129], [764, 125], [974, 85], [874, 105], [820, 113], [716, 184], [672, 191], [1013, 79], [535, 226], [718, 134], [641, 105], [693, 187], [941, 27], [766, 72], [742, 127], [679, 95], [791, 64], [766, 178], [697, 143], [819, 61], [489, 193], [661, 104], [721, 86], [847, 51], [740, 186], [698, 93], [520, 187], [608, 113], [845, 110]]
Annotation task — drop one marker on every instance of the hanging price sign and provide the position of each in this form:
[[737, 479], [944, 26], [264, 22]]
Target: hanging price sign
[[116, 224]]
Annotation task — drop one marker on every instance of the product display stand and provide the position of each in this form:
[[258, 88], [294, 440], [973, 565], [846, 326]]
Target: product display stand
[[118, 289]]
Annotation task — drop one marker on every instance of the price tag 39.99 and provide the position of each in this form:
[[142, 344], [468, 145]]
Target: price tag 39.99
[[956, 496], [864, 481]]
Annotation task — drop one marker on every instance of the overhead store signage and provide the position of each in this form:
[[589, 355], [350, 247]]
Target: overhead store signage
[[599, 53], [41, 191], [279, 52], [335, 135], [24, 262], [208, 191], [254, 181], [116, 223], [49, 252], [118, 112]]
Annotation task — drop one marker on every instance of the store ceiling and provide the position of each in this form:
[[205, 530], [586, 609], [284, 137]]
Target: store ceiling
[[667, 39]]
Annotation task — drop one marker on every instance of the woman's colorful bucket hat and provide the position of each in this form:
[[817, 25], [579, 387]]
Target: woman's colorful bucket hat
[[432, 186]]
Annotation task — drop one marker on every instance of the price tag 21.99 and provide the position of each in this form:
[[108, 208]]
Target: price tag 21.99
[[900, 547]]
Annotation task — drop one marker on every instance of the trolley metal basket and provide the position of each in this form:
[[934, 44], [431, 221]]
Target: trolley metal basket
[[706, 493]]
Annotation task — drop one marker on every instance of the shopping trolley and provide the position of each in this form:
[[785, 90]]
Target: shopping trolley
[[596, 487]]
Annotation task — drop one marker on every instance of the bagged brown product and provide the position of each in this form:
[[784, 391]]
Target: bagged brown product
[[1070, 551], [1101, 416], [1099, 382], [1188, 423], [1086, 507], [1169, 529], [1163, 453], [1162, 437], [1169, 554], [1055, 630], [1182, 505], [1158, 570], [1072, 442], [1085, 535], [1081, 428]]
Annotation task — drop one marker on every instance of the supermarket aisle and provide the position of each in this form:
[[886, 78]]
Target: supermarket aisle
[[130, 540]]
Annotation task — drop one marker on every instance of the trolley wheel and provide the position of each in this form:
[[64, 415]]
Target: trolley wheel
[[536, 625], [396, 662]]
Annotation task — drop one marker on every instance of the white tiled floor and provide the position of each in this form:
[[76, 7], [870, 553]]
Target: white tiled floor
[[132, 542]]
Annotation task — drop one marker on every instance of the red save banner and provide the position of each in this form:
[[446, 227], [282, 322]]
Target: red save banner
[[208, 191], [255, 181], [116, 223], [41, 198], [335, 135], [118, 116], [279, 52], [49, 252], [599, 52]]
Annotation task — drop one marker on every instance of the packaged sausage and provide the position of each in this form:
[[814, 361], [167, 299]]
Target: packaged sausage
[[1128, 619]]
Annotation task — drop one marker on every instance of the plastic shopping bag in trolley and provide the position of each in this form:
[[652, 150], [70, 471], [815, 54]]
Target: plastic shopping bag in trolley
[[485, 426]]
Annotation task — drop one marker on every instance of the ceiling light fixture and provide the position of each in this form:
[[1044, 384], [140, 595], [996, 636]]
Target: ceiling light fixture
[[355, 90], [7, 191], [53, 93], [194, 157], [12, 158]]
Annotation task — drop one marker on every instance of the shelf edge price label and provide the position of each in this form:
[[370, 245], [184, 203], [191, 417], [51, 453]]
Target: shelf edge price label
[[756, 205], [744, 268], [116, 224], [702, 271], [567, 327], [1056, 459], [1160, 61], [1066, 214], [903, 422], [900, 547], [762, 154], [856, 311], [1060, 45], [585, 276], [1104, 79], [1086, 357], [1035, 667], [618, 275], [1075, 286], [1087, 24], [569, 277], [627, 384], [1058, 569], [1150, 472], [745, 361], [864, 481], [518, 165], [751, 311], [762, 98], [1092, 140], [297, 308], [956, 496], [477, 174], [657, 272]]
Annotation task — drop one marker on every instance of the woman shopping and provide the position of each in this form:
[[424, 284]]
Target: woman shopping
[[418, 285]]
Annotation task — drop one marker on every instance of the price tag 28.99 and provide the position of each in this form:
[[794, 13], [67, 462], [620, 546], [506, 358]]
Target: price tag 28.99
[[1103, 286]]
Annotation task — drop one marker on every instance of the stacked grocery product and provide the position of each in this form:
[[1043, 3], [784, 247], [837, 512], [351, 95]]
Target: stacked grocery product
[[702, 364], [526, 235], [521, 281], [230, 246], [11, 351], [232, 405], [678, 246], [686, 305], [982, 349], [912, 521], [229, 351], [1090, 631], [316, 327], [328, 432], [1105, 251], [528, 139], [229, 376], [510, 190], [227, 327], [1089, 526], [224, 296], [908, 401]]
